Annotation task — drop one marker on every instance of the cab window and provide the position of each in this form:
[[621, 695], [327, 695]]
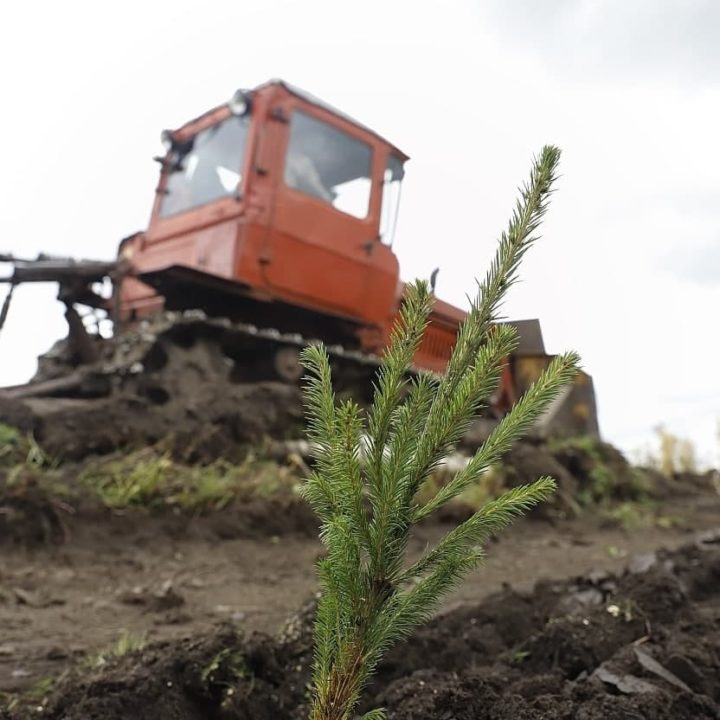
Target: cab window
[[392, 182], [329, 165], [205, 167]]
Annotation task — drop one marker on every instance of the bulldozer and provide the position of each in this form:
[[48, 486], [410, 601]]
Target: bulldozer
[[272, 226]]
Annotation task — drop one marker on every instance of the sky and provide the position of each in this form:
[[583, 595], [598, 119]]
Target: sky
[[628, 268]]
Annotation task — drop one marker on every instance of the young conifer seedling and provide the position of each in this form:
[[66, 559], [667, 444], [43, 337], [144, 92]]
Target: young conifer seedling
[[364, 490]]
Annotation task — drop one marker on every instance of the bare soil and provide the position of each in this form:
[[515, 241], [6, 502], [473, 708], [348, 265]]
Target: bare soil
[[572, 616], [171, 577], [637, 643]]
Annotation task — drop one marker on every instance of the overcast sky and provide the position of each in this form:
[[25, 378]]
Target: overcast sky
[[628, 270]]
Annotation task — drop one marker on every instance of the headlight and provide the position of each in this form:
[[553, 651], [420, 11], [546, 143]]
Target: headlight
[[166, 138], [239, 103]]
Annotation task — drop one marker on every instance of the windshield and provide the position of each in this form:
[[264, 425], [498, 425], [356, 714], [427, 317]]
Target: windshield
[[205, 167]]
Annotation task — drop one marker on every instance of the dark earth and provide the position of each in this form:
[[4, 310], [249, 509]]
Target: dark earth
[[639, 644], [603, 604]]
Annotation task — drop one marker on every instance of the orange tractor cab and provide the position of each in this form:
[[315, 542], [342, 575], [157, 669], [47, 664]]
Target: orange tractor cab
[[279, 210]]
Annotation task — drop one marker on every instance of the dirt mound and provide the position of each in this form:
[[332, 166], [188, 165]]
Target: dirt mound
[[31, 521], [189, 680], [643, 644], [254, 494], [172, 378], [206, 421]]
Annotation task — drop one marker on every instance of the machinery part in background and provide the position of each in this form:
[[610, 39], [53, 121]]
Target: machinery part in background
[[76, 280], [6, 304], [572, 413], [286, 361], [272, 227]]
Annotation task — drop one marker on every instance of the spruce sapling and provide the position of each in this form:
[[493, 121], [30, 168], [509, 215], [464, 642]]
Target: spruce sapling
[[365, 495]]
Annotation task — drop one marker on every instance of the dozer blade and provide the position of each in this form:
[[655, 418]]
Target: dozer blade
[[572, 413]]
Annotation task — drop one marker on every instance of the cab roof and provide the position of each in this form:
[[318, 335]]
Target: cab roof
[[318, 102]]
